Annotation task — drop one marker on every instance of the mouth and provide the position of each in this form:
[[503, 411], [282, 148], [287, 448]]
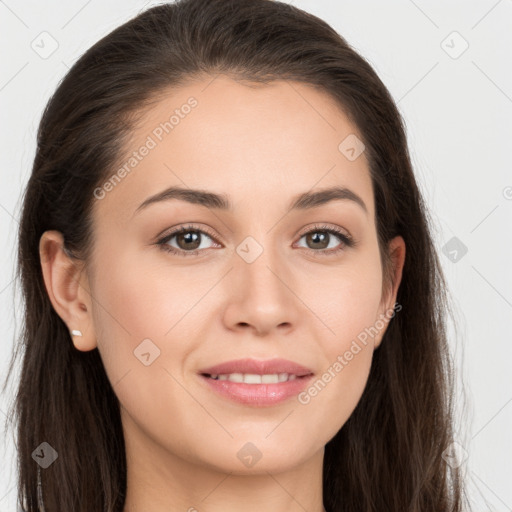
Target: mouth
[[254, 390], [256, 383]]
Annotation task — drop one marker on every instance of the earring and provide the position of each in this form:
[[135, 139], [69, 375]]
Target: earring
[[76, 332]]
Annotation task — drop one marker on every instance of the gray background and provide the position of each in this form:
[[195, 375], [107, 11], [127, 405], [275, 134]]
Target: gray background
[[457, 104]]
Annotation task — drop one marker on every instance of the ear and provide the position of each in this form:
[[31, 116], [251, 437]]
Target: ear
[[396, 251], [67, 288]]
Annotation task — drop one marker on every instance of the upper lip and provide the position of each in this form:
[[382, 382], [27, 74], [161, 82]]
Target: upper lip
[[258, 367]]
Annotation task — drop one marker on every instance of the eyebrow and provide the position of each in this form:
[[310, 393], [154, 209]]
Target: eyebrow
[[304, 201]]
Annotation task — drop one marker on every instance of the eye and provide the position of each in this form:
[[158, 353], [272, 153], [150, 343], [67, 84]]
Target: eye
[[188, 240], [321, 238]]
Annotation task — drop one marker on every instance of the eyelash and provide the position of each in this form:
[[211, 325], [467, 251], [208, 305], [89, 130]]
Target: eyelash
[[346, 240]]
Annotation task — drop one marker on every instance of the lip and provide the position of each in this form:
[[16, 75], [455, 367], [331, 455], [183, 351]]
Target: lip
[[257, 395], [258, 367]]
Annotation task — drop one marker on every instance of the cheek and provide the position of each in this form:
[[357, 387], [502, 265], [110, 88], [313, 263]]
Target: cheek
[[335, 392], [345, 299], [329, 401], [139, 300], [133, 310], [347, 302], [138, 307]]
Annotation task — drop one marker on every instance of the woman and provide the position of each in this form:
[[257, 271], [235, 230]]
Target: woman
[[232, 294]]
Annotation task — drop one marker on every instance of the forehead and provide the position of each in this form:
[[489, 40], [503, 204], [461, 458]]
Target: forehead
[[245, 140]]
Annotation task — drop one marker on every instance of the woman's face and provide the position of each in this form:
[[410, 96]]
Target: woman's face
[[245, 281]]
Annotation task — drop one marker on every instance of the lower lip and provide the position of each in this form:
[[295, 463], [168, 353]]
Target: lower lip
[[259, 395]]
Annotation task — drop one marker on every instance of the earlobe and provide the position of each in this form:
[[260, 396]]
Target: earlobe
[[67, 289], [397, 249]]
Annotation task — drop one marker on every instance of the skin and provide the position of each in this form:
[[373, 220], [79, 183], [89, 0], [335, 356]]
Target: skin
[[261, 146]]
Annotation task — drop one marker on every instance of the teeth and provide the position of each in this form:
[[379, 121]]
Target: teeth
[[251, 378]]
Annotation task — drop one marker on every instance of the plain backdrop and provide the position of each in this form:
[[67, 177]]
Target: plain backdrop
[[448, 66]]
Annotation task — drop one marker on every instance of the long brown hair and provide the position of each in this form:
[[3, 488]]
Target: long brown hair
[[388, 456]]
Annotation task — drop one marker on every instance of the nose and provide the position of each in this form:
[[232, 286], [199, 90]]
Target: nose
[[261, 295]]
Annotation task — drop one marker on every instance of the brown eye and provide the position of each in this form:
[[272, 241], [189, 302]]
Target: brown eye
[[188, 240], [318, 239], [185, 241], [326, 240]]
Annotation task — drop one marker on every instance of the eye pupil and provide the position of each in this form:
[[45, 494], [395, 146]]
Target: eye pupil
[[321, 237]]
